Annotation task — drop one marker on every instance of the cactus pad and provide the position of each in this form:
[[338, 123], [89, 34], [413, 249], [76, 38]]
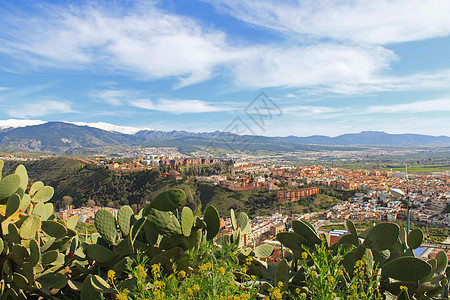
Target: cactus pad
[[233, 219], [282, 273], [442, 262], [53, 280], [406, 269], [30, 227], [22, 172], [304, 230], [415, 238], [164, 222], [54, 229], [43, 194], [105, 223], [263, 251], [43, 210], [168, 200], [212, 221], [36, 187], [12, 205], [382, 236], [99, 253], [187, 221], [9, 185], [71, 221], [124, 219], [243, 223]]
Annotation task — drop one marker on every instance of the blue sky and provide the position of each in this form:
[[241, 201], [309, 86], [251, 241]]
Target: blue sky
[[329, 67]]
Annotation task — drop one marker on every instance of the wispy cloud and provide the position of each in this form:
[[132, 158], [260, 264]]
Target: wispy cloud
[[41, 108], [178, 106], [413, 107], [143, 40], [150, 44], [114, 97], [311, 65], [374, 22]]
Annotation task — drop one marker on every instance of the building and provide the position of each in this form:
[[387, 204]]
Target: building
[[295, 195]]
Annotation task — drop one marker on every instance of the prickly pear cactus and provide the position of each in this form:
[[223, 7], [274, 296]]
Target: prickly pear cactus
[[34, 252]]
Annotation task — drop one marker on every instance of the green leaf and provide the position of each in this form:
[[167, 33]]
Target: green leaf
[[22, 172], [406, 269], [304, 230], [99, 253], [382, 236], [36, 187], [54, 229], [212, 221], [105, 223], [124, 219], [415, 238], [282, 273], [187, 221], [168, 200], [442, 262], [9, 185], [264, 250], [12, 205], [243, 223], [43, 195], [30, 227]]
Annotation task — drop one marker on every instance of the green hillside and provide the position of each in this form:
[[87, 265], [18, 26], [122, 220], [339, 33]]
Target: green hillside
[[90, 184]]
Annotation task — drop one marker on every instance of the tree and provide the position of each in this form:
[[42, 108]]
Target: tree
[[66, 202]]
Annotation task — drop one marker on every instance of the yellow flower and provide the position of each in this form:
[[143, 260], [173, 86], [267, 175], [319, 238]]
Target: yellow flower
[[304, 255], [280, 284], [111, 275], [340, 273], [182, 274], [403, 288], [196, 287], [302, 296], [313, 273], [330, 278], [276, 294], [159, 284], [122, 296], [204, 267], [221, 270], [190, 292], [362, 295], [334, 295], [140, 271], [155, 269]]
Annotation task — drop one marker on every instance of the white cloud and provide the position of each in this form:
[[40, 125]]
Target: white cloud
[[362, 21], [437, 80], [2, 88], [413, 107], [40, 108], [114, 97], [153, 44], [143, 40], [311, 65], [178, 106]]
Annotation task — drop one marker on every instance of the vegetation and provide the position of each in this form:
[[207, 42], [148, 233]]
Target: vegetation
[[165, 252]]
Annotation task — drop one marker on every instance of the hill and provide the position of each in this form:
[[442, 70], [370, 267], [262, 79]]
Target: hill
[[90, 184], [65, 138]]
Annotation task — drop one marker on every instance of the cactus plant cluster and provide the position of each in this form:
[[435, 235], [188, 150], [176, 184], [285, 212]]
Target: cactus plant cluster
[[36, 248], [384, 246]]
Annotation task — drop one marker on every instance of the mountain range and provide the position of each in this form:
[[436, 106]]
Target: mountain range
[[60, 137]]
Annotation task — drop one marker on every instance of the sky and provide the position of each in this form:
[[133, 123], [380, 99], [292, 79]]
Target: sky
[[267, 67]]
